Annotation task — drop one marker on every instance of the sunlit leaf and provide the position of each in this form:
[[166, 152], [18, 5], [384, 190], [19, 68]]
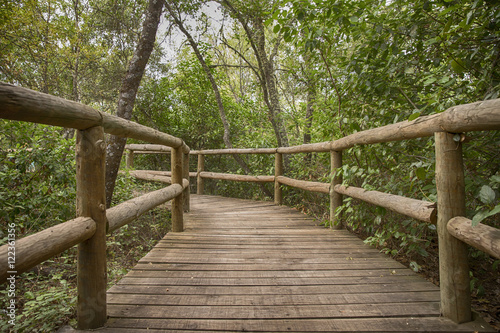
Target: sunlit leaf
[[414, 116]]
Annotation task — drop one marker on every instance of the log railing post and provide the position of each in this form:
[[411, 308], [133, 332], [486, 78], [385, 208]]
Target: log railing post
[[91, 202], [278, 171], [177, 202], [453, 265], [130, 159], [335, 198], [185, 175], [200, 185]]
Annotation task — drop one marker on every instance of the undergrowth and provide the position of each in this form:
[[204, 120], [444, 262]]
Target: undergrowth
[[46, 295]]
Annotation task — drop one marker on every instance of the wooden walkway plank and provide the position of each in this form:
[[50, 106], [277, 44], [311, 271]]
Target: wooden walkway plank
[[249, 266]]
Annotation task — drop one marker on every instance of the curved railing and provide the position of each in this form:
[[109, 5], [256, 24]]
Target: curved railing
[[454, 230], [94, 221], [89, 229]]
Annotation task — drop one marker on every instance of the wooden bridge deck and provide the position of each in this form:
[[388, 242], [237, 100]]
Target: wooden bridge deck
[[247, 266]]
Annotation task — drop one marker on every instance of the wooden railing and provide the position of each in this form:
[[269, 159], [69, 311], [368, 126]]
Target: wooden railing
[[89, 229], [453, 229]]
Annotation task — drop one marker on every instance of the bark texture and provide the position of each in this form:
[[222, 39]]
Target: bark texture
[[128, 91], [252, 23]]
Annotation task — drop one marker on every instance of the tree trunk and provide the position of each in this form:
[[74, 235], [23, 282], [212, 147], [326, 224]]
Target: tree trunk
[[268, 76], [69, 133], [310, 99], [128, 91], [257, 39]]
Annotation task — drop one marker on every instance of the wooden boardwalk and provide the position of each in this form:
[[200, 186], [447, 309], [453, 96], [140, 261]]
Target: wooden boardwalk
[[247, 266]]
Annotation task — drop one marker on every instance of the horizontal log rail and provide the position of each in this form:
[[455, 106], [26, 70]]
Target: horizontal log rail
[[485, 115], [128, 211], [482, 237], [149, 176], [236, 178], [305, 185], [32, 250], [165, 173], [88, 230], [417, 209], [27, 105]]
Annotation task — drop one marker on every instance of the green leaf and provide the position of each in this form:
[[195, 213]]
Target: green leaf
[[414, 116], [458, 66], [479, 217], [486, 195], [429, 81], [421, 173], [355, 126], [495, 211], [277, 28]]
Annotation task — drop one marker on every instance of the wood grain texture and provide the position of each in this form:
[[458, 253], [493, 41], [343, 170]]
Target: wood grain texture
[[481, 236], [417, 209], [247, 266], [91, 202], [453, 253], [34, 249], [233, 177], [305, 184], [178, 202], [27, 105], [129, 210], [336, 199]]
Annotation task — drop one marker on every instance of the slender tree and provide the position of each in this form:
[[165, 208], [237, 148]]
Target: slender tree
[[222, 112], [128, 91], [252, 21]]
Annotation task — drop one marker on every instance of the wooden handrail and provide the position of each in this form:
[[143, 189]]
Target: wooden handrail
[[481, 236], [305, 185], [34, 249], [455, 294], [27, 105], [128, 211], [417, 209], [89, 230], [237, 178]]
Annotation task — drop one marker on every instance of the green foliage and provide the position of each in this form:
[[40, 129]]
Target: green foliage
[[44, 309], [37, 182], [487, 197]]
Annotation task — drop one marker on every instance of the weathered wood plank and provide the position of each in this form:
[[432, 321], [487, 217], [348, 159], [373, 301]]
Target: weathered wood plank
[[251, 266], [284, 299], [275, 311], [266, 274], [269, 282], [407, 324], [419, 286]]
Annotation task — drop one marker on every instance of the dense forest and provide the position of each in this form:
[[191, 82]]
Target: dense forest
[[248, 74]]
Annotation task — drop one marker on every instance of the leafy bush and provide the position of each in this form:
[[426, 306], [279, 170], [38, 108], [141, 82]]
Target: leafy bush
[[37, 177]]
